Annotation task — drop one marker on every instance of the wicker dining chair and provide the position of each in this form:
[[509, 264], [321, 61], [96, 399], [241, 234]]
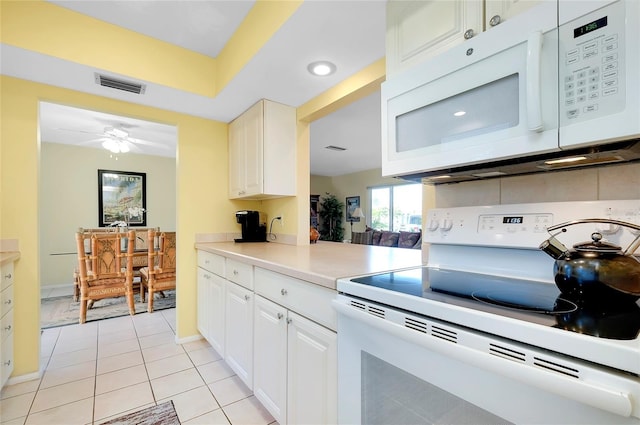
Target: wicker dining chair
[[106, 270], [160, 274]]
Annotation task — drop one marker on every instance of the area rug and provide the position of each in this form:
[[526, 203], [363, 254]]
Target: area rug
[[162, 414], [62, 311]]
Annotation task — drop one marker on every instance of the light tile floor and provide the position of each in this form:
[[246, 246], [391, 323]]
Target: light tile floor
[[101, 370]]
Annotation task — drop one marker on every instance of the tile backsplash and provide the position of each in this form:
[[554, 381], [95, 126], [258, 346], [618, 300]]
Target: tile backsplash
[[609, 182]]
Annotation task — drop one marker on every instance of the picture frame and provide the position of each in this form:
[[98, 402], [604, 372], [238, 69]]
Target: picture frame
[[352, 202], [122, 198]]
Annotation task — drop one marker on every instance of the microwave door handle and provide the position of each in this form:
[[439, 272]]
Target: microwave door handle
[[534, 103]]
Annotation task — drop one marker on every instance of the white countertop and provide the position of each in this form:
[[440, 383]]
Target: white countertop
[[321, 263], [7, 257]]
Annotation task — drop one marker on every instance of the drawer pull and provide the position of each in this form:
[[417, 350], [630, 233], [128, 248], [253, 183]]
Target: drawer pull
[[7, 276], [247, 297], [289, 320], [283, 291], [7, 328], [280, 316], [7, 363], [235, 272], [8, 302]]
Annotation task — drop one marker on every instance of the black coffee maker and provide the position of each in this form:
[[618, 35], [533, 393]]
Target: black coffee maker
[[254, 226]]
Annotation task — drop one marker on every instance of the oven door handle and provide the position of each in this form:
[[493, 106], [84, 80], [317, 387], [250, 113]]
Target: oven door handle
[[614, 401]]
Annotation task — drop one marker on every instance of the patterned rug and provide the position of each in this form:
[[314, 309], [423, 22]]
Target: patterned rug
[[62, 311], [162, 414]]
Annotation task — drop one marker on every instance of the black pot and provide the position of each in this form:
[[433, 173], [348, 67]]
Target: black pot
[[579, 277], [613, 320]]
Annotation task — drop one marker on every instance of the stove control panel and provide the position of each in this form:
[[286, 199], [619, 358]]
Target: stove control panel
[[525, 225]]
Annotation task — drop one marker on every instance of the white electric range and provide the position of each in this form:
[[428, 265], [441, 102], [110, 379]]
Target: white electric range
[[484, 330]]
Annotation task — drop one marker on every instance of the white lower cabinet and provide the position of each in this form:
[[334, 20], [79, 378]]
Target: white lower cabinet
[[6, 322], [211, 308], [239, 331], [295, 366], [270, 360], [276, 332]]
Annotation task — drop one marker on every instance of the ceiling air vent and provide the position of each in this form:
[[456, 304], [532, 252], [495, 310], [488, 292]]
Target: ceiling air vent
[[115, 83]]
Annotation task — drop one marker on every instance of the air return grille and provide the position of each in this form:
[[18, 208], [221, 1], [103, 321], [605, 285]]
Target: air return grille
[[115, 83]]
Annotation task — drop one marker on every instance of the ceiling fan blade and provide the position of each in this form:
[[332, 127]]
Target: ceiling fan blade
[[80, 131], [147, 143]]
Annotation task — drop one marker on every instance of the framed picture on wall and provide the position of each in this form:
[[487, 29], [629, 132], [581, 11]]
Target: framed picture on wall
[[122, 198], [352, 203]]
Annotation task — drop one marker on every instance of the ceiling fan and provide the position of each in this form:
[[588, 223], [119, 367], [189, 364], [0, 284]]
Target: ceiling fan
[[118, 140]]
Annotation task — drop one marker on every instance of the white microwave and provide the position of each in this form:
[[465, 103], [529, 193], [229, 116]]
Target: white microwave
[[559, 79]]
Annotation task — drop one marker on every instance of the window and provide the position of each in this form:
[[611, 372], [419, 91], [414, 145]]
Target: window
[[396, 208]]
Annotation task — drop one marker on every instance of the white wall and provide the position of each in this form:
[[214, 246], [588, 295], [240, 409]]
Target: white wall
[[69, 200]]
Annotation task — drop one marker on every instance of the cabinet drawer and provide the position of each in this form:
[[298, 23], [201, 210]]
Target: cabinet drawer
[[6, 326], [6, 298], [307, 299], [240, 273], [211, 262], [7, 275]]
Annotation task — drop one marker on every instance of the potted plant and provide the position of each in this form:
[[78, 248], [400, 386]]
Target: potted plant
[[331, 212]]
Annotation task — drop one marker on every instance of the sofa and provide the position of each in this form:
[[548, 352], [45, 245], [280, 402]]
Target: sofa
[[412, 240]]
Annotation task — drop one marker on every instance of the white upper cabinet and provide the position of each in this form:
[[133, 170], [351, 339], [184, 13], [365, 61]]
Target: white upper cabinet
[[418, 30], [262, 152]]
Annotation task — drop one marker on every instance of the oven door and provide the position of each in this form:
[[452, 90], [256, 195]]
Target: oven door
[[397, 368], [494, 97]]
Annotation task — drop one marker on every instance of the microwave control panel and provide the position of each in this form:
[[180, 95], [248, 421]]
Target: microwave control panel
[[592, 68]]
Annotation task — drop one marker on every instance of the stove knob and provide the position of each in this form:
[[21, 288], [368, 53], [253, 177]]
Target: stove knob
[[446, 225], [433, 225]]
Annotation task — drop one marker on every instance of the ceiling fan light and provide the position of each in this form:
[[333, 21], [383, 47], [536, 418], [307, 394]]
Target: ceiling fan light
[[111, 145], [124, 148]]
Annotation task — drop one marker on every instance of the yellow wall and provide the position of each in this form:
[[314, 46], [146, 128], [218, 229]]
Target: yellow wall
[[201, 189]]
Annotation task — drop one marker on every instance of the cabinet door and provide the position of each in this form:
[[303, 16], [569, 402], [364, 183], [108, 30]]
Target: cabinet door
[[239, 331], [204, 295], [312, 373], [236, 158], [418, 30], [505, 9], [211, 305], [253, 149], [270, 354]]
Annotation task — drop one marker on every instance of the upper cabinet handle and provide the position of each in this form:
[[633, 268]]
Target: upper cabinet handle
[[495, 20], [469, 34]]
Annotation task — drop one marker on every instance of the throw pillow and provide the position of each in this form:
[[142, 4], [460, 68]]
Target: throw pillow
[[408, 239], [389, 239], [377, 234]]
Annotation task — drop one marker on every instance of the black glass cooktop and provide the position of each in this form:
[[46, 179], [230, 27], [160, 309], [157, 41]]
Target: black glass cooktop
[[532, 301]]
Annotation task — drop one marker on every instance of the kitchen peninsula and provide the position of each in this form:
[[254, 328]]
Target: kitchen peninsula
[[321, 263], [266, 308]]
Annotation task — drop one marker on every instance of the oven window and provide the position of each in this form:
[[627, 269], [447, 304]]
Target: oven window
[[392, 396], [485, 109]]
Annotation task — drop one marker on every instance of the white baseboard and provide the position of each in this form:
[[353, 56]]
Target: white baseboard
[[24, 378], [188, 339]]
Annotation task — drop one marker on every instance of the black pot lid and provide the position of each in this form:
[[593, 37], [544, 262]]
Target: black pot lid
[[598, 245]]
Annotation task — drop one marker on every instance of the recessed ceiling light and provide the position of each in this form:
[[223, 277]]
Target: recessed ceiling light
[[321, 68], [459, 113]]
